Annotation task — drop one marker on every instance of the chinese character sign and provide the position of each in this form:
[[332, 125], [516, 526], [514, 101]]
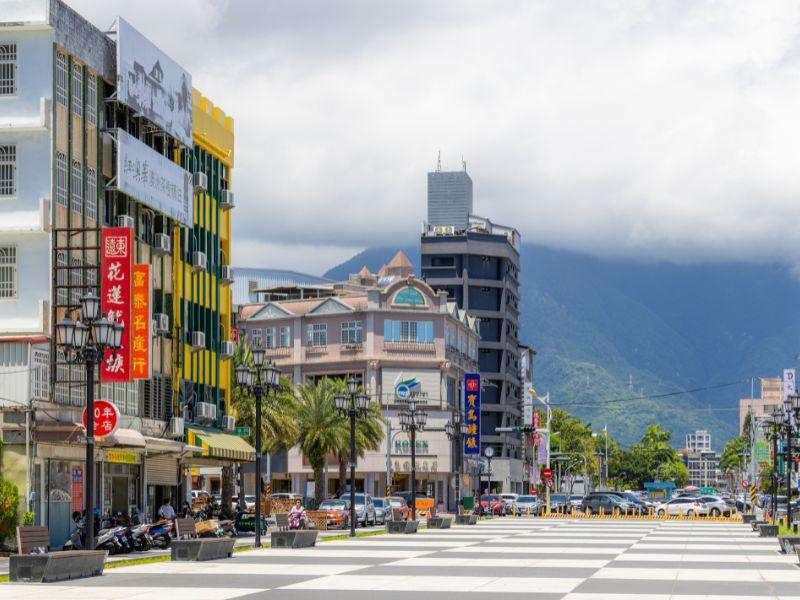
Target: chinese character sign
[[472, 414], [116, 270], [106, 418], [141, 331]]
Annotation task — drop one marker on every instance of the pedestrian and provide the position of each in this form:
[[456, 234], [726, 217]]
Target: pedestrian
[[166, 511]]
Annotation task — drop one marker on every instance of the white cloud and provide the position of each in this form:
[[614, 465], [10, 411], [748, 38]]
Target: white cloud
[[661, 130]]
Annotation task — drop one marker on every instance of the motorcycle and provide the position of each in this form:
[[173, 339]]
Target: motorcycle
[[162, 532], [104, 540]]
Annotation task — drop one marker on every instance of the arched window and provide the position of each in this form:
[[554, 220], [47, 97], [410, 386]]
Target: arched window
[[409, 296]]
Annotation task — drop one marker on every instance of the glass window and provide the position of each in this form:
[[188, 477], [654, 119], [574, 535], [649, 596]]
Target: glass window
[[351, 332], [77, 280], [62, 87], [8, 69], [256, 339], [61, 179], [8, 272], [77, 90], [40, 374], [8, 170], [318, 334], [91, 194], [420, 332], [409, 296], [61, 278], [91, 100], [270, 337], [286, 336], [77, 187]]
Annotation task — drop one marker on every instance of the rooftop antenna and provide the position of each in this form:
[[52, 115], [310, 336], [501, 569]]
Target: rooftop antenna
[[439, 162], [464, 163]]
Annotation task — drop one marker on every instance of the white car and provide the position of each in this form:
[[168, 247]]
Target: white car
[[690, 507]]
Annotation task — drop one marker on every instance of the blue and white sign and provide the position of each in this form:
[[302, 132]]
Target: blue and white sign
[[407, 389]]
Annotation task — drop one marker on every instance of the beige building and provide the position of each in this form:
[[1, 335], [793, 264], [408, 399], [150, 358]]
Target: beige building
[[771, 398]]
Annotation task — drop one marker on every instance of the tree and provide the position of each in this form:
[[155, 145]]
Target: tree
[[652, 458]]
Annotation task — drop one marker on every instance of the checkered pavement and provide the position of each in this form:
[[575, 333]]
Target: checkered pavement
[[543, 559]]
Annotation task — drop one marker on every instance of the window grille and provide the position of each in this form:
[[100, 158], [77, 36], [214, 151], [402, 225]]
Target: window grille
[[286, 337], [61, 179], [270, 337], [91, 194], [77, 187], [77, 280], [62, 85], [256, 338], [318, 334], [77, 90], [40, 374], [61, 279], [8, 272], [8, 170], [351, 332], [91, 100], [8, 69]]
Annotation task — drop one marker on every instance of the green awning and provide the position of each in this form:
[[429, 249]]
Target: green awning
[[221, 445]]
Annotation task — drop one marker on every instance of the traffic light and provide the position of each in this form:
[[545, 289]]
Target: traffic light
[[524, 428]]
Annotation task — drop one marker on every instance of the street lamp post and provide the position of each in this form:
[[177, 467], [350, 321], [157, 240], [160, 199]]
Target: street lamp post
[[489, 453], [86, 342], [259, 381], [352, 405], [412, 420], [456, 429]]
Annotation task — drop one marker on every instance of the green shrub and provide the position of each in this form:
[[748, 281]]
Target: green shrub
[[28, 518], [9, 509]]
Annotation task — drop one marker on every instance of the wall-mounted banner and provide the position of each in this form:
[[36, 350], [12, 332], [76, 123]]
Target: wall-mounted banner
[[527, 406], [116, 267], [789, 386], [153, 179], [153, 84], [472, 414], [141, 330]]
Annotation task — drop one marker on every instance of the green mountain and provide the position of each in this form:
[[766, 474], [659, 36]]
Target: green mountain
[[609, 331]]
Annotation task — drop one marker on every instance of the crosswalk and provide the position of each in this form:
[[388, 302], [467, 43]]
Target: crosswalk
[[542, 559]]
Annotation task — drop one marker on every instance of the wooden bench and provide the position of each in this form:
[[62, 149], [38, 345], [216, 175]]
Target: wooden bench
[[188, 547], [35, 562]]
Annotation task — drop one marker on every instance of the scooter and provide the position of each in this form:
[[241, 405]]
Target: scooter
[[162, 533], [77, 539]]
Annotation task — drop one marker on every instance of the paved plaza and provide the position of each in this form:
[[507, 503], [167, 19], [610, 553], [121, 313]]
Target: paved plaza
[[543, 559]]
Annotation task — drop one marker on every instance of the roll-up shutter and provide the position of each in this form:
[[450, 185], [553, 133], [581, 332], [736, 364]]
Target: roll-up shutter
[[162, 470]]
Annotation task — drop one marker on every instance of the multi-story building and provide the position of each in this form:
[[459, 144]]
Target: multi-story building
[[477, 265], [770, 399], [253, 285], [449, 199], [90, 143], [698, 441], [401, 330], [703, 468]]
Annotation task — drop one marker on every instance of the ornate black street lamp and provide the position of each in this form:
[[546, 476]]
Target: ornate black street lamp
[[260, 381], [456, 429], [353, 405], [86, 342], [413, 419]]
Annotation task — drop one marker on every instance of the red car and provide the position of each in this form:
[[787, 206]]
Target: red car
[[493, 504]]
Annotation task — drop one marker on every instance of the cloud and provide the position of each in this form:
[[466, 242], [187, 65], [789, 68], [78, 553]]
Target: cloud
[[653, 130]]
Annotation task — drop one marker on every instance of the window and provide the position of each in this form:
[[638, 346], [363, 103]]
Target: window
[[8, 69], [77, 281], [62, 87], [77, 90], [61, 278], [8, 272], [13, 354], [418, 332], [409, 296], [40, 374], [61, 179], [8, 170], [351, 332], [270, 337], [256, 339], [286, 337], [91, 100], [77, 187], [91, 194], [318, 334]]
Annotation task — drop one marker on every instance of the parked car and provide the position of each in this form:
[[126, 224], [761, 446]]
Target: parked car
[[382, 507], [686, 505], [508, 502], [528, 505], [249, 503], [558, 503], [492, 504], [607, 503], [338, 513], [396, 503], [406, 496], [575, 500], [365, 508], [639, 505], [717, 506]]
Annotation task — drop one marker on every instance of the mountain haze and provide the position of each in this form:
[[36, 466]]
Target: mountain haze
[[609, 331]]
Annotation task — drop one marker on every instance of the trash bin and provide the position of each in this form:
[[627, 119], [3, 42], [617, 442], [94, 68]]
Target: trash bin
[[469, 503]]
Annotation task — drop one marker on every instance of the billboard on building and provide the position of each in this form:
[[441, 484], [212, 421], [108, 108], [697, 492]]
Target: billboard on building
[[422, 385], [153, 84], [141, 331], [472, 414], [116, 267], [153, 179]]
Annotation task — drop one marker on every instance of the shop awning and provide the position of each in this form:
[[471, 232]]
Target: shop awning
[[221, 445], [163, 446], [124, 438]]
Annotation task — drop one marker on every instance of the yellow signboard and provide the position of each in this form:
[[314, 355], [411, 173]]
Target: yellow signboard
[[123, 456]]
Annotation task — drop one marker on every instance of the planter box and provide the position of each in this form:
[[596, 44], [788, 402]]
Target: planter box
[[755, 524], [748, 518], [789, 542], [467, 520], [302, 538], [440, 522], [402, 526], [56, 566], [202, 549], [767, 530]]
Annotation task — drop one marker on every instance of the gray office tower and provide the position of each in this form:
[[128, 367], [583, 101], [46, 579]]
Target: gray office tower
[[449, 198], [477, 263]]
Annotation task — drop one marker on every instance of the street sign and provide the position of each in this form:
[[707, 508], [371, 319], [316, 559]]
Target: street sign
[[547, 474], [243, 431], [106, 418]]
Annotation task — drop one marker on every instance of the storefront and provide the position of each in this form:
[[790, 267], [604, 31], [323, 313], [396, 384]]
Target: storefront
[[214, 450]]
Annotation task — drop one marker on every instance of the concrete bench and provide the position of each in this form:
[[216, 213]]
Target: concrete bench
[[767, 530], [466, 519], [748, 518], [188, 547], [755, 524], [298, 538], [402, 526], [440, 522], [35, 563], [789, 542]]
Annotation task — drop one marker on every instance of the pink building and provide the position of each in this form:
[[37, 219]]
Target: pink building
[[397, 329]]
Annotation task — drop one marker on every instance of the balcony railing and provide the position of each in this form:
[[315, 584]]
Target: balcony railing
[[409, 347], [278, 352], [353, 347], [316, 351]]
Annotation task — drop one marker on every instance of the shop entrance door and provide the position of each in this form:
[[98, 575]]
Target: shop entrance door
[[119, 494]]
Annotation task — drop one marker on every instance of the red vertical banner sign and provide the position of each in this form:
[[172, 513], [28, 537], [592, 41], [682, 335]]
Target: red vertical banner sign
[[77, 489], [116, 270], [140, 323]]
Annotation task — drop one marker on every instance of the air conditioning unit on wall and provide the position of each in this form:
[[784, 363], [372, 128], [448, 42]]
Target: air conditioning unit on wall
[[199, 261], [205, 412], [200, 181], [226, 200], [229, 422], [176, 427], [162, 244], [125, 221], [198, 340]]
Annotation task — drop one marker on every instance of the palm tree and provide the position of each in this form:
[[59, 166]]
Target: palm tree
[[320, 426]]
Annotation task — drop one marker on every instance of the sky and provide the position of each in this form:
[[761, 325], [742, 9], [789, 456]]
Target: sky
[[651, 130]]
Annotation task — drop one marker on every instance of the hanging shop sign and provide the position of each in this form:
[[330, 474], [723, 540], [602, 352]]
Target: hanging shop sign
[[106, 418], [153, 179], [77, 488], [152, 84], [122, 456], [141, 331], [472, 414], [116, 266]]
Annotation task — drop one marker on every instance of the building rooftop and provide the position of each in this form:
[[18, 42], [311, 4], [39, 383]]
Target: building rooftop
[[247, 280]]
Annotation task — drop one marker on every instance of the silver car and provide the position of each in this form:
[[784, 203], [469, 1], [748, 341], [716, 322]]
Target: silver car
[[527, 505], [381, 508], [687, 506], [365, 509], [716, 506]]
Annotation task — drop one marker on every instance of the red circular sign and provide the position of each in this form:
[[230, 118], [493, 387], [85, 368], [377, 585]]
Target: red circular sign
[[547, 474], [106, 418]]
